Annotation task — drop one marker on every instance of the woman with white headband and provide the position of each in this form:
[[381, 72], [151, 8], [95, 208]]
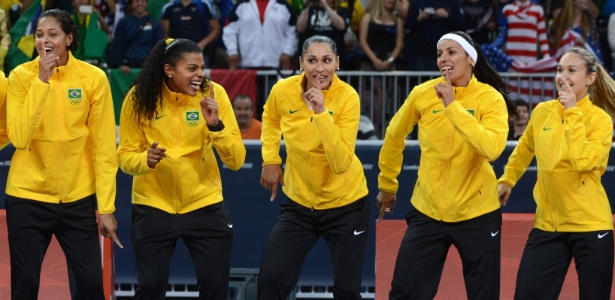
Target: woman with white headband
[[463, 123]]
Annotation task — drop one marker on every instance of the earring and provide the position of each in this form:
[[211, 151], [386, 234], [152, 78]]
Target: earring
[[68, 45], [338, 68], [300, 69]]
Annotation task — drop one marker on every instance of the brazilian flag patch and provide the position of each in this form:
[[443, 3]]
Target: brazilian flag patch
[[74, 96], [192, 118]]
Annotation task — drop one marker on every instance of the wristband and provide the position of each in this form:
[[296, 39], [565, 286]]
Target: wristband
[[218, 126], [391, 59]]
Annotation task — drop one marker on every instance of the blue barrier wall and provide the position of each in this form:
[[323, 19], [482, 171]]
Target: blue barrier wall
[[253, 215]]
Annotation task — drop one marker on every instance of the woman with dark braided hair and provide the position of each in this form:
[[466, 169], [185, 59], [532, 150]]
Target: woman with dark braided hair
[[171, 120], [463, 124], [60, 120]]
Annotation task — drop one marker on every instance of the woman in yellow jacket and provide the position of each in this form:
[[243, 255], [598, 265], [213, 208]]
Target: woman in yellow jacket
[[463, 124], [60, 120], [171, 121], [318, 115], [571, 138]]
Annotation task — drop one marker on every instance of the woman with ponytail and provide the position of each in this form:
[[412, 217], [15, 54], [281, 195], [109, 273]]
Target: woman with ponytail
[[463, 124], [571, 138], [171, 120]]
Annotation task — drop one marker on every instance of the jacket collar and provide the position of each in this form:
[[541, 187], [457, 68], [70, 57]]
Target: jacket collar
[[585, 104], [176, 98], [71, 67]]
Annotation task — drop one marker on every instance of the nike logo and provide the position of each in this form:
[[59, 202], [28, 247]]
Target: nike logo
[[158, 117], [358, 232], [435, 111], [294, 111], [602, 235], [547, 128], [230, 225], [495, 233]]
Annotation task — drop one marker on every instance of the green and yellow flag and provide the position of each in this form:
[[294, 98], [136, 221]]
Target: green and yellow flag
[[22, 49]]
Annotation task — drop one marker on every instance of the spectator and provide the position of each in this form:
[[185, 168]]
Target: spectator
[[60, 120], [576, 16], [5, 37], [382, 39], [427, 21], [93, 33], [195, 20], [481, 19], [172, 121], [520, 122], [135, 36], [250, 127], [571, 138], [526, 31], [261, 34], [325, 17]]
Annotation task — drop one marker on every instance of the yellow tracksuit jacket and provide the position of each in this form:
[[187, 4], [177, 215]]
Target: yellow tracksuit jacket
[[455, 179], [64, 135], [322, 170], [188, 178], [572, 150], [4, 85]]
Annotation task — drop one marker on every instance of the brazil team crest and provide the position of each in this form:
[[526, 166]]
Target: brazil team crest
[[74, 96], [192, 118]]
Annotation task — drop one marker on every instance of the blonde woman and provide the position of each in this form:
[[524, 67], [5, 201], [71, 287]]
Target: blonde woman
[[570, 137]]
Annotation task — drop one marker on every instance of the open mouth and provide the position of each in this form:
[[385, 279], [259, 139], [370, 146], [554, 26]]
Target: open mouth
[[195, 84]]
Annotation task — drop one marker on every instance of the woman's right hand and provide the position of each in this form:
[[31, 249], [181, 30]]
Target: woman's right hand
[[270, 177], [46, 63], [155, 154], [504, 190], [386, 203]]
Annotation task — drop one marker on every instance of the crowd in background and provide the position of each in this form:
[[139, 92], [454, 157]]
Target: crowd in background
[[371, 35]]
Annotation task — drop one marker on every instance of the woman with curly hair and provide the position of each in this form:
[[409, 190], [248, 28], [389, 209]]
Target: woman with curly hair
[[171, 120]]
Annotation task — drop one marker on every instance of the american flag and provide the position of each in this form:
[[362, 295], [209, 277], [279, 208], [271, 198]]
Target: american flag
[[533, 89]]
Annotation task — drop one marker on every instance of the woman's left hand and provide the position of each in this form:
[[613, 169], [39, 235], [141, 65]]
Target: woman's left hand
[[444, 90], [315, 97], [209, 108]]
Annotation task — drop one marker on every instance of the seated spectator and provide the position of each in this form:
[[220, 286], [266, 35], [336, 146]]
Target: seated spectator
[[135, 35], [250, 128], [195, 20], [520, 123], [261, 34]]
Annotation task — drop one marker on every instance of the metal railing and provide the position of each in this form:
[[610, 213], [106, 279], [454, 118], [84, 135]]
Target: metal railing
[[382, 93]]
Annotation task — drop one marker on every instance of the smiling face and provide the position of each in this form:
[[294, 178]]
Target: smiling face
[[455, 62], [573, 70], [319, 63], [187, 75], [139, 7], [55, 40]]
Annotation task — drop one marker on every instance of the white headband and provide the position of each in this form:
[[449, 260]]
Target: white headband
[[464, 44]]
